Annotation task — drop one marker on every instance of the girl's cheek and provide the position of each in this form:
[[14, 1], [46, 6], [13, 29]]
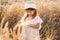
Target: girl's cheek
[[32, 12], [28, 13]]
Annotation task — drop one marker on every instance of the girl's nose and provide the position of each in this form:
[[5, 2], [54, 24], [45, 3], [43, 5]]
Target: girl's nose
[[29, 11]]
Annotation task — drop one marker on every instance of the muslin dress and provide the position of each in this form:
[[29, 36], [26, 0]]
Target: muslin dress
[[29, 33]]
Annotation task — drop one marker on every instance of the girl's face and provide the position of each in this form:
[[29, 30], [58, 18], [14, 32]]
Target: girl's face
[[30, 11]]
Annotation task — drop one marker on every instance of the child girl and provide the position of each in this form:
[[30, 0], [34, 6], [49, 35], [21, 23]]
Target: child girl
[[31, 23]]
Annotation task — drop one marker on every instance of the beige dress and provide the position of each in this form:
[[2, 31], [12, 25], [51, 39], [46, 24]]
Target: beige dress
[[28, 33]]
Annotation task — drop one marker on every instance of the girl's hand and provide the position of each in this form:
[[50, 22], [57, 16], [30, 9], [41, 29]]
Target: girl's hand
[[35, 26]]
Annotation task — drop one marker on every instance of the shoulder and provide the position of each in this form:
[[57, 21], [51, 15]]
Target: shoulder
[[39, 19]]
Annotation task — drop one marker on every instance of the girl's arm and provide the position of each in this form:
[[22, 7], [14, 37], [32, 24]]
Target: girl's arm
[[35, 26]]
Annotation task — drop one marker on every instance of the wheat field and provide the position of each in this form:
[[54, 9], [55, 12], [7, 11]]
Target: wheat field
[[11, 11]]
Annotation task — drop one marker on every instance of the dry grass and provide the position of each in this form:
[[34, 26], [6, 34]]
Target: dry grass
[[11, 15]]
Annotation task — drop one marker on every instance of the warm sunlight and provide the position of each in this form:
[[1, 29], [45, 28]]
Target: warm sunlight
[[47, 23]]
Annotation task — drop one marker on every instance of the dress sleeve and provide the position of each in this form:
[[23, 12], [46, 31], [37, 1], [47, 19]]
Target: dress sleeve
[[40, 21]]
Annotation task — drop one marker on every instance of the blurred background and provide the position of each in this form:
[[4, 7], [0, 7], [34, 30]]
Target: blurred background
[[11, 11]]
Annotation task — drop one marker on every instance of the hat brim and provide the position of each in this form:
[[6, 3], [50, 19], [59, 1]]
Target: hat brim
[[30, 8]]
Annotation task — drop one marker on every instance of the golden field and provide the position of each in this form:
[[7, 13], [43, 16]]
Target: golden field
[[12, 11]]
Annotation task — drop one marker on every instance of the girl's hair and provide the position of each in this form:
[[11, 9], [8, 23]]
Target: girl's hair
[[35, 13]]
